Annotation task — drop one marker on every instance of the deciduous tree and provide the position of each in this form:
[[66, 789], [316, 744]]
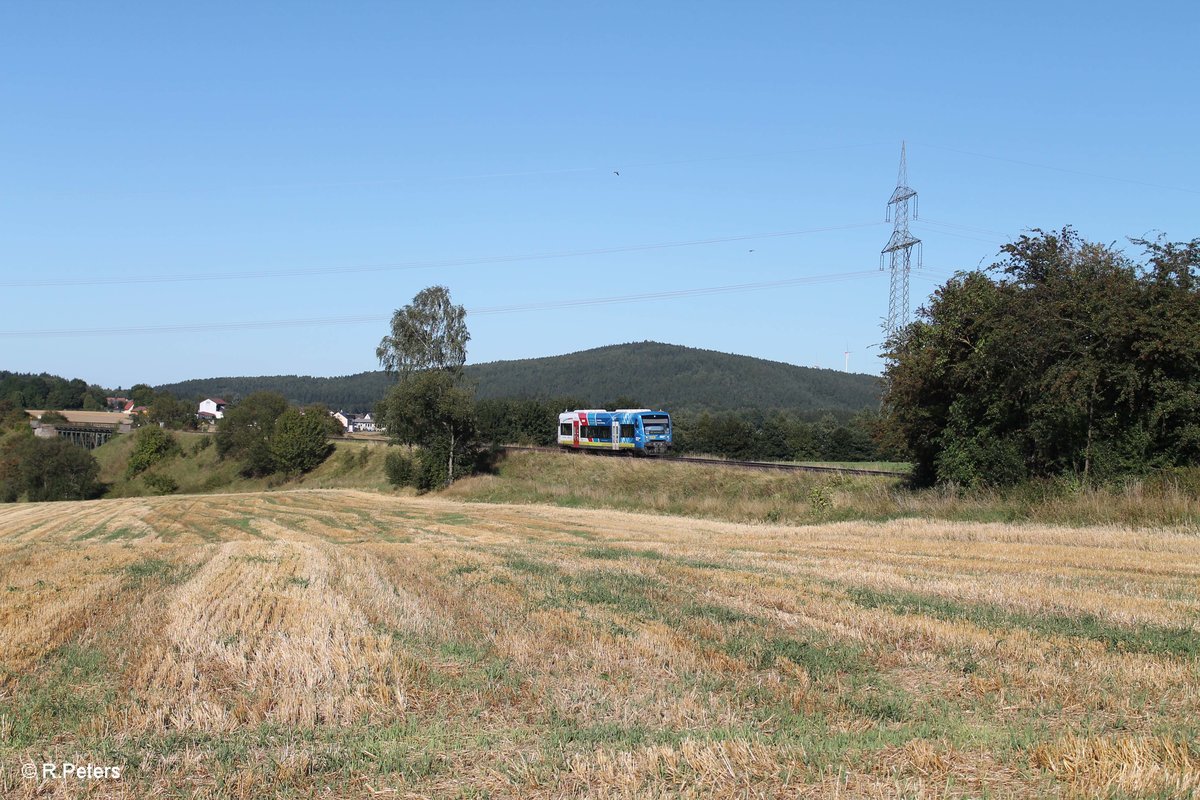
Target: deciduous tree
[[428, 333], [1065, 358], [298, 442], [433, 410]]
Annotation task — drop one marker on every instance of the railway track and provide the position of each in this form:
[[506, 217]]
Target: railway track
[[712, 462]]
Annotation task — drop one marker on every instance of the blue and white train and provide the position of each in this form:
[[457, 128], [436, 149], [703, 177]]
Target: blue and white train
[[639, 431]]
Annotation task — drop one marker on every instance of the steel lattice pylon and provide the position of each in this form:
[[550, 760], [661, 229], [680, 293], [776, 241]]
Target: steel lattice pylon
[[899, 249]]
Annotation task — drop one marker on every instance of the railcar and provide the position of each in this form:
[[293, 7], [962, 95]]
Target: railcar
[[639, 431]]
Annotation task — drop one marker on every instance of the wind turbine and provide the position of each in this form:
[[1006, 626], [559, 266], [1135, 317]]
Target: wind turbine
[[847, 355]]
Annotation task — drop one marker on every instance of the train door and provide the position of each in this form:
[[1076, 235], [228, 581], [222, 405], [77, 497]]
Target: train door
[[575, 432], [616, 433]]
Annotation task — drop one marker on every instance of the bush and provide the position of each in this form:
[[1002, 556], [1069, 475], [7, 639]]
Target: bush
[[429, 472], [46, 469], [399, 469], [298, 442], [151, 445], [204, 443], [160, 483]]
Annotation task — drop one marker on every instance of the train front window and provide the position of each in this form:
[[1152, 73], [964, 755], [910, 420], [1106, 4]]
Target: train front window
[[565, 429], [656, 426]]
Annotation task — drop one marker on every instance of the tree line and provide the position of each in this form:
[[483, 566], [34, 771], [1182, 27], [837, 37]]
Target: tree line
[[663, 375], [22, 390], [1066, 359], [748, 435], [41, 469]]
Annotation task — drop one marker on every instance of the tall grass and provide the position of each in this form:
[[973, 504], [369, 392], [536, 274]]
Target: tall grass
[[197, 470], [584, 480]]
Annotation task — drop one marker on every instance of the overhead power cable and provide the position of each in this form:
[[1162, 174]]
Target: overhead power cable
[[942, 223], [967, 236], [376, 319], [207, 277], [1064, 169]]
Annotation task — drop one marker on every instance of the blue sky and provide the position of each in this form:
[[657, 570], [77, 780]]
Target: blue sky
[[337, 158]]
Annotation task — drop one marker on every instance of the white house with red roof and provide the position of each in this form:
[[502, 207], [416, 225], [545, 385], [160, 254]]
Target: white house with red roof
[[211, 408]]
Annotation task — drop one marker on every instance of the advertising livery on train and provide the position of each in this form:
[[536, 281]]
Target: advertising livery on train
[[639, 431]]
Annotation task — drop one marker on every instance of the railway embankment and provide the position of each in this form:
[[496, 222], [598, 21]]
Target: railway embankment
[[700, 489], [715, 491]]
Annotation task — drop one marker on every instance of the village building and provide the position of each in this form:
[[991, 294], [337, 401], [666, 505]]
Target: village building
[[211, 408]]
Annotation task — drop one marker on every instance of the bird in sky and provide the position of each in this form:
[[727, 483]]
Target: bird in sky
[[616, 173]]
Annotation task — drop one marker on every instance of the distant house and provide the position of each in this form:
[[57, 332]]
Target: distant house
[[355, 423], [211, 408], [118, 403]]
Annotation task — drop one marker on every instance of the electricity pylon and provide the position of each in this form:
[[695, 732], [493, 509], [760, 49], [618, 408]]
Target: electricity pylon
[[899, 249]]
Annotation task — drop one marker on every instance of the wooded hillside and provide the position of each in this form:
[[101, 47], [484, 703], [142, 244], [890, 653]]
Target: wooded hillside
[[644, 374]]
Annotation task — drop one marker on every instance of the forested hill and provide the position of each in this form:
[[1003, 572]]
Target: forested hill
[[644, 374], [677, 378]]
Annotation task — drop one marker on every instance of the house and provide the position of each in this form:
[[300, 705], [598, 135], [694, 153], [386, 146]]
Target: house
[[355, 423], [211, 408]]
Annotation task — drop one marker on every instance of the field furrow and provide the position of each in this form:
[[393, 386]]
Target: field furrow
[[344, 643]]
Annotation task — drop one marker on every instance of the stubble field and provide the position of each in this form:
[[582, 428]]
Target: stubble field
[[338, 643]]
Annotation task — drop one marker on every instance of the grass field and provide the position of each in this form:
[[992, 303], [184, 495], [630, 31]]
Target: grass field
[[195, 469], [578, 480], [338, 643]]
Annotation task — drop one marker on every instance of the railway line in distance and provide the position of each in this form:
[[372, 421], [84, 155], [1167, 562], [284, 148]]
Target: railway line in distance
[[768, 466]]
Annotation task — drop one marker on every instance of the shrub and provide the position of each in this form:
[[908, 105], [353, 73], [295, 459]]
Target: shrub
[[151, 445], [298, 442], [160, 483], [399, 468], [46, 469]]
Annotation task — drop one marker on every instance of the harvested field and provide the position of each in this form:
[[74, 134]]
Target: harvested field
[[338, 643]]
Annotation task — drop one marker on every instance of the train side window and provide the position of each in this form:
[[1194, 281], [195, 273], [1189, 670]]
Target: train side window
[[565, 429], [598, 432], [626, 431]]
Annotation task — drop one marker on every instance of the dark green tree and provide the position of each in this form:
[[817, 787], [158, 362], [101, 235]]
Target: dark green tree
[[299, 441], [330, 424], [1054, 361], [433, 410], [246, 430], [46, 469], [142, 395], [171, 412]]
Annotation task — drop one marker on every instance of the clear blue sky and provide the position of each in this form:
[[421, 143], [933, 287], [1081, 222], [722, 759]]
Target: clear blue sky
[[164, 140]]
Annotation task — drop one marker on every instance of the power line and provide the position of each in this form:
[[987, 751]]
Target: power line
[[697, 292], [411, 265], [927, 221], [373, 318], [966, 236], [1065, 169]]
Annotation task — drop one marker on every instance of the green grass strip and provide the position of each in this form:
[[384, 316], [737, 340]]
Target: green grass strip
[[1148, 639]]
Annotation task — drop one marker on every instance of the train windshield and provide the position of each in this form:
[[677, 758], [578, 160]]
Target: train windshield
[[656, 426]]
